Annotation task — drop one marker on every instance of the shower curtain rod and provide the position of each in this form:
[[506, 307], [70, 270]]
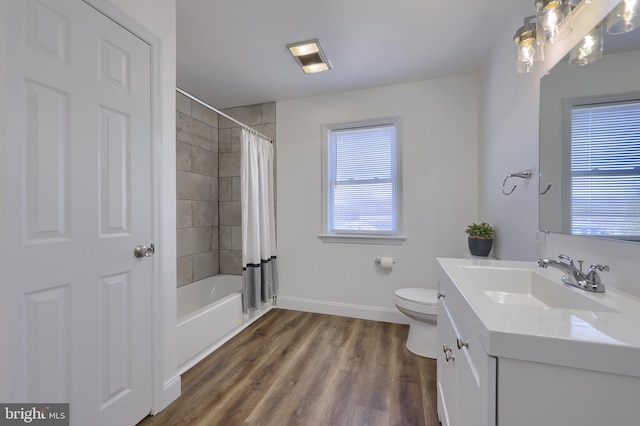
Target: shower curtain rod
[[188, 95]]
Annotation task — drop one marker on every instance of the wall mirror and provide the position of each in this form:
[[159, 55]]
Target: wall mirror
[[590, 141]]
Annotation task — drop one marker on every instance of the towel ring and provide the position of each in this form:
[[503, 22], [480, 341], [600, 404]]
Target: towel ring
[[525, 174]]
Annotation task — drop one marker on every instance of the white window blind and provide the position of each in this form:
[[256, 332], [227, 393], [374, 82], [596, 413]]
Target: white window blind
[[362, 180], [605, 169]]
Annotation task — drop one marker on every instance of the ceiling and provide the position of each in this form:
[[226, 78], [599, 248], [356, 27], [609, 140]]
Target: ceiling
[[232, 52]]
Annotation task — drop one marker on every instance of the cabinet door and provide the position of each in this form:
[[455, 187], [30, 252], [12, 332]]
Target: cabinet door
[[476, 392], [446, 368], [466, 377]]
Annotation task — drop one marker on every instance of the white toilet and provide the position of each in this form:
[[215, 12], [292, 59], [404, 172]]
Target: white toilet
[[421, 305]]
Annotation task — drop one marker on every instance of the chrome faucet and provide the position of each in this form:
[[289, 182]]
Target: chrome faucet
[[589, 281]]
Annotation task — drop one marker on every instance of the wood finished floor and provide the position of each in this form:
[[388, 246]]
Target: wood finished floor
[[299, 368]]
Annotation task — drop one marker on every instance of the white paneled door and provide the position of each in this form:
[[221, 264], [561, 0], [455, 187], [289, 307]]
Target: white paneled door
[[79, 160]]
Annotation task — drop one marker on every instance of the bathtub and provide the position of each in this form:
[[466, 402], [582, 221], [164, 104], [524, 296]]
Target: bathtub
[[208, 311], [209, 314]]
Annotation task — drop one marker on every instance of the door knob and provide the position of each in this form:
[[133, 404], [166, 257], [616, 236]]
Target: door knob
[[144, 251]]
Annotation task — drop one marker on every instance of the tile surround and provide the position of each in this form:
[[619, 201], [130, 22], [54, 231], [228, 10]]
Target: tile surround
[[185, 270], [183, 104], [229, 164], [224, 237], [250, 115], [224, 140], [183, 216], [193, 240], [235, 188], [204, 115], [230, 213], [183, 156], [205, 265], [192, 186], [204, 161], [225, 189], [197, 190], [231, 262], [236, 238], [204, 213], [192, 131]]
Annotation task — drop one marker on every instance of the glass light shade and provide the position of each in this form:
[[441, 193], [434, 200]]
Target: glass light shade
[[313, 68], [624, 18], [553, 19], [589, 49], [528, 49], [303, 49]]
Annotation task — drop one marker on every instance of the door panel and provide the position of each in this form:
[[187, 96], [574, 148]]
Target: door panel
[[48, 210], [48, 317], [115, 176], [79, 148]]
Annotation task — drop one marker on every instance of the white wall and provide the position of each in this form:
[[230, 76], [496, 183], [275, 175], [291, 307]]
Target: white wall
[[509, 142], [439, 139]]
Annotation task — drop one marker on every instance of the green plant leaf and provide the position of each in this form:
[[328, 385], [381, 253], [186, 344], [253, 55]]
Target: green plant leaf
[[482, 230]]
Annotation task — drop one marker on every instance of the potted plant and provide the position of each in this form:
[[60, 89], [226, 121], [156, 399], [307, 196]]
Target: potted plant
[[480, 238]]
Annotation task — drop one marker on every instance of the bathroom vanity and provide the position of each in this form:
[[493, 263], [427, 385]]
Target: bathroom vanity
[[518, 347]]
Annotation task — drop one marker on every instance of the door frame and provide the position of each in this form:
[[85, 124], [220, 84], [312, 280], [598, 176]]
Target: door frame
[[165, 381]]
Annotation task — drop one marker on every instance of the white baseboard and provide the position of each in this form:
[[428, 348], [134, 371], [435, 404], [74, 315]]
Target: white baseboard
[[343, 309], [170, 392]]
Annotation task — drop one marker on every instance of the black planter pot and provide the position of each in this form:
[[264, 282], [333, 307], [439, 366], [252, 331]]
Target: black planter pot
[[480, 246]]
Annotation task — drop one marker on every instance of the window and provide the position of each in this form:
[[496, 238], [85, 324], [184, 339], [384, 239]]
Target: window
[[605, 169], [361, 182]]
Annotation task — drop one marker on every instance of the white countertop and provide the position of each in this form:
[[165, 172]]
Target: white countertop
[[602, 334]]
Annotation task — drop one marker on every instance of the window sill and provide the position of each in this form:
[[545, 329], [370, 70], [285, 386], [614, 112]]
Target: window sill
[[363, 239]]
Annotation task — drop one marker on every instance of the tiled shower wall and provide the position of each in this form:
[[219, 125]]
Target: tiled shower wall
[[209, 217], [197, 190], [261, 117]]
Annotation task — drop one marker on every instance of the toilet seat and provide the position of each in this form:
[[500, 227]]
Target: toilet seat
[[420, 300], [424, 296]]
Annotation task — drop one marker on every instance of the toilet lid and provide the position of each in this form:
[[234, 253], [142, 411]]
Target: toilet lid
[[423, 296]]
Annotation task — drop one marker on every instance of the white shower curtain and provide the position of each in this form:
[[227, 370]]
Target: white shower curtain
[[259, 268]]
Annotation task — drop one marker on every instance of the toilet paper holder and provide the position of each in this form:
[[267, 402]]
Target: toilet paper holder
[[378, 260]]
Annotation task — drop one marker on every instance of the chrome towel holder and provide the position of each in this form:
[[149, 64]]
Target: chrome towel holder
[[525, 174], [546, 190]]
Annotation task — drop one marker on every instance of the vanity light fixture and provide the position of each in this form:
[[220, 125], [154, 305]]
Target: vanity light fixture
[[589, 49], [309, 55], [625, 17], [528, 48], [553, 19]]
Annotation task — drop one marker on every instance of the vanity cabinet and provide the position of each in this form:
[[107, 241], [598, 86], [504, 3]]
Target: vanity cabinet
[[466, 374], [508, 356]]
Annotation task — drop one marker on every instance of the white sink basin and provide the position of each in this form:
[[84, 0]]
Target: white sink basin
[[514, 286]]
